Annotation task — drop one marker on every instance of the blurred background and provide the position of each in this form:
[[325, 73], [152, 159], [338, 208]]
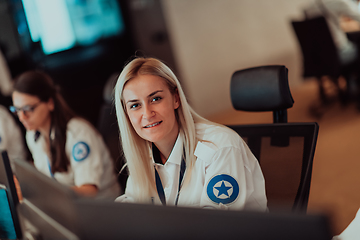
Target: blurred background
[[83, 43]]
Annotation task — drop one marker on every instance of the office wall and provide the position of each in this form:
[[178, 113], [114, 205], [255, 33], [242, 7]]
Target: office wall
[[213, 38]]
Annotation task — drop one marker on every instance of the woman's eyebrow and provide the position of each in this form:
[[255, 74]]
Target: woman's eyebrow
[[150, 95], [132, 100], [155, 92]]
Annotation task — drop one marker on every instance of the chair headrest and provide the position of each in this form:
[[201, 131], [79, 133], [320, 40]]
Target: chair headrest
[[264, 88], [109, 88]]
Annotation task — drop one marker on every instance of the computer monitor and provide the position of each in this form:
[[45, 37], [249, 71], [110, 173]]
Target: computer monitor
[[9, 221], [104, 220], [47, 205], [61, 25], [96, 219], [42, 226]]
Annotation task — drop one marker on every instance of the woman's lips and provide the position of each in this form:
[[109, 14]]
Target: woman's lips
[[153, 125]]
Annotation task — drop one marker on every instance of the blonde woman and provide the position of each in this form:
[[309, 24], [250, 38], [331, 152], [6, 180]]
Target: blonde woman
[[174, 156]]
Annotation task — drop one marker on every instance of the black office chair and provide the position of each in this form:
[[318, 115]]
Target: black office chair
[[108, 127], [321, 60], [284, 150]]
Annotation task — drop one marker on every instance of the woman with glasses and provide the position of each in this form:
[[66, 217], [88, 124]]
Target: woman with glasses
[[174, 156], [63, 146]]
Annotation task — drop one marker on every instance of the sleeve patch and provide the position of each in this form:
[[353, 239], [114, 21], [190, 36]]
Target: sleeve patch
[[223, 189], [81, 151]]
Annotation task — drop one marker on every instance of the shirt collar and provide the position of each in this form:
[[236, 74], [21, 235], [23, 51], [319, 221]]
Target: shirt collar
[[177, 151]]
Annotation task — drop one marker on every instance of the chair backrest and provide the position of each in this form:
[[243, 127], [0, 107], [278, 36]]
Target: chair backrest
[[285, 152], [320, 55], [108, 128], [263, 88]]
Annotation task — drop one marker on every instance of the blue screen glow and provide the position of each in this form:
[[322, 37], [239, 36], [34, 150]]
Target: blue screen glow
[[63, 24]]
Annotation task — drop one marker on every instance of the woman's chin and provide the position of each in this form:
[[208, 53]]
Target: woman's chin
[[29, 127]]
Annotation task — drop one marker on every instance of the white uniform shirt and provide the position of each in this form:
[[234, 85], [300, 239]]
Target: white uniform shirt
[[226, 174], [11, 138], [90, 160], [352, 231]]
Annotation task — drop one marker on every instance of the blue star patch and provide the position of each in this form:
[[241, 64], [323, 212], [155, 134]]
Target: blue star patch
[[223, 189], [81, 150]]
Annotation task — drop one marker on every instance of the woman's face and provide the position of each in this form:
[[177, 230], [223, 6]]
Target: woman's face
[[151, 108], [33, 114]]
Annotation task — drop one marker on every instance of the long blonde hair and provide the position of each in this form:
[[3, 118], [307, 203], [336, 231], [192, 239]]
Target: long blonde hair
[[137, 150]]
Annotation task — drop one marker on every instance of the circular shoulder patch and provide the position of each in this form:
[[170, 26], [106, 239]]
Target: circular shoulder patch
[[223, 189], [81, 150]]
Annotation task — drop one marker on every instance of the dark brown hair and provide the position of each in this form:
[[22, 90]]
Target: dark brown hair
[[41, 85]]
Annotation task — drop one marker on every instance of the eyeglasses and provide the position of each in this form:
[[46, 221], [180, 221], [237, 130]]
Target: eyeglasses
[[25, 109]]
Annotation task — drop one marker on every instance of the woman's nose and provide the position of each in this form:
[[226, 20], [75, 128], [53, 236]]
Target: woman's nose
[[22, 116], [148, 112]]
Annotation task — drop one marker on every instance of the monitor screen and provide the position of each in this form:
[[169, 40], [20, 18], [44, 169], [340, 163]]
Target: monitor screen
[[7, 228], [59, 25], [9, 220]]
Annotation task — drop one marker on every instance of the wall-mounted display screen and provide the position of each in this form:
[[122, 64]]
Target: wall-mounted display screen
[[62, 24]]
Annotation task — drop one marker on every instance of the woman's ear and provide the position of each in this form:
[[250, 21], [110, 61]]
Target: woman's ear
[[176, 99], [51, 104]]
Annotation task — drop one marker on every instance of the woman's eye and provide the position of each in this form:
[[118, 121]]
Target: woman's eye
[[156, 99], [28, 108], [133, 106]]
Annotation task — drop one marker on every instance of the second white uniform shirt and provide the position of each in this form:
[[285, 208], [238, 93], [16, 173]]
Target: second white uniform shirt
[[90, 160]]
